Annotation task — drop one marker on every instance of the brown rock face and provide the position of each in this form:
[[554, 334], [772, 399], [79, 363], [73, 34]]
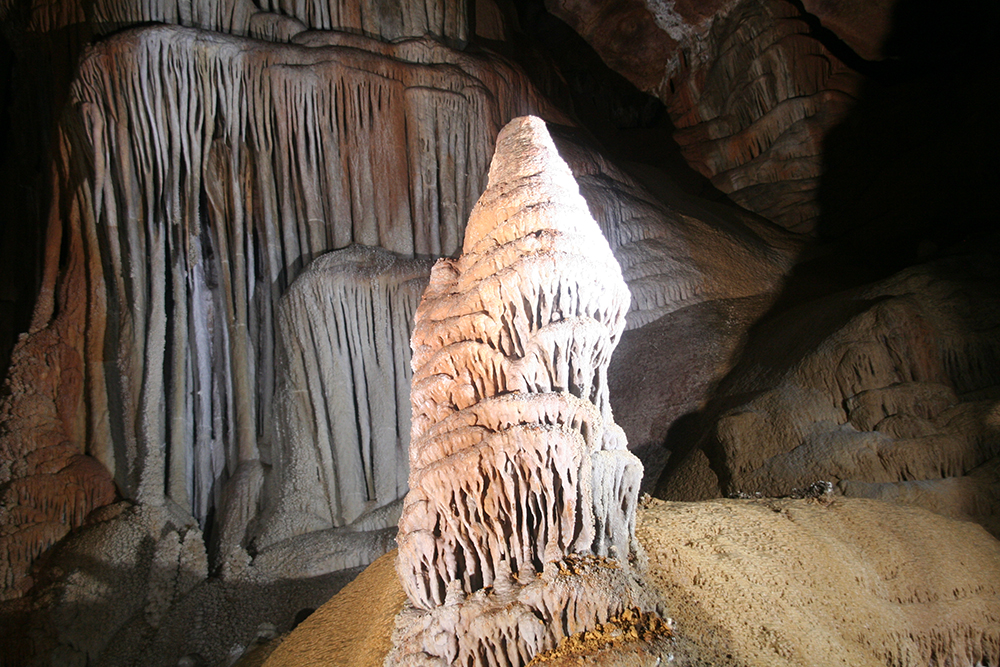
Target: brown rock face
[[761, 583], [48, 482], [751, 93], [514, 455], [864, 25]]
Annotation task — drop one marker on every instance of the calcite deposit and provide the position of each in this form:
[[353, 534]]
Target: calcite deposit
[[217, 221], [341, 421], [886, 392], [200, 174], [514, 455], [515, 460], [276, 20], [189, 218]]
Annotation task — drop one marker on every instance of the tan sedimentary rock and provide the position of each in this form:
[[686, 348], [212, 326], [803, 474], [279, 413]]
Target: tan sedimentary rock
[[353, 628], [754, 583], [832, 581], [751, 92]]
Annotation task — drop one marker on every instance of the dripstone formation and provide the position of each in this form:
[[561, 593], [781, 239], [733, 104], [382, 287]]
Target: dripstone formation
[[516, 463]]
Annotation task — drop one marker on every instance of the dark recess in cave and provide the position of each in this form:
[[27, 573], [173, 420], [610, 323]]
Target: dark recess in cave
[[908, 177]]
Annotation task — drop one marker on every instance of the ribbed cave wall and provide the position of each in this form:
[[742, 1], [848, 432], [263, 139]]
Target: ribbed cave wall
[[267, 19], [195, 176], [200, 173], [198, 351], [221, 169]]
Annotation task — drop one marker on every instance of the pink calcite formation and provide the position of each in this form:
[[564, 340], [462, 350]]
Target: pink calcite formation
[[515, 459]]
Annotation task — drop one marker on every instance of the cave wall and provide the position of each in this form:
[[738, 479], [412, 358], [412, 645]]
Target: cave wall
[[193, 199], [751, 92]]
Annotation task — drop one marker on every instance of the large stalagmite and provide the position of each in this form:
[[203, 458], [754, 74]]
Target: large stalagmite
[[514, 453], [515, 460]]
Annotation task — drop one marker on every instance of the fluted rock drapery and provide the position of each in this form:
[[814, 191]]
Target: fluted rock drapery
[[206, 208], [198, 174], [273, 20], [341, 415]]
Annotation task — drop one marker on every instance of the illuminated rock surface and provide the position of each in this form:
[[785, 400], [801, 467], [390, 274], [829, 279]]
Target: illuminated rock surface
[[516, 464], [207, 171], [193, 442]]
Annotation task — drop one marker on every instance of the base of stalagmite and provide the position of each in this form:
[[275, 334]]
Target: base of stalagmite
[[756, 582]]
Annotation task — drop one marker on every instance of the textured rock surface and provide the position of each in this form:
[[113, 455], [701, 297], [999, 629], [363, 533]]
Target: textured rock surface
[[48, 483], [277, 20], [236, 219], [353, 628], [186, 245], [676, 250], [517, 469], [514, 454], [130, 563], [751, 92], [858, 582], [887, 391], [662, 374], [341, 415], [630, 639], [513, 621], [195, 175], [130, 588], [201, 173]]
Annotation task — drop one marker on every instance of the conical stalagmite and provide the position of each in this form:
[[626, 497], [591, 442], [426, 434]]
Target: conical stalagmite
[[515, 459]]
